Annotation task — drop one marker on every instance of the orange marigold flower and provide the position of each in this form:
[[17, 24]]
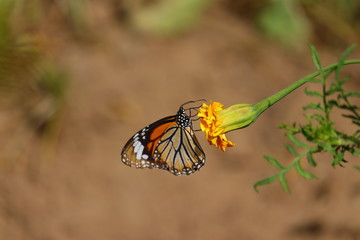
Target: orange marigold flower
[[216, 121], [210, 122]]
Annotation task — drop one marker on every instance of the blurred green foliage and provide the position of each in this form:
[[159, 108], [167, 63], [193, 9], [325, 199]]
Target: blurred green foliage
[[76, 12], [284, 21], [292, 23], [31, 84], [169, 17], [295, 22]]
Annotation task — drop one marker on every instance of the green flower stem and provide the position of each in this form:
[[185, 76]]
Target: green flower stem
[[268, 102]]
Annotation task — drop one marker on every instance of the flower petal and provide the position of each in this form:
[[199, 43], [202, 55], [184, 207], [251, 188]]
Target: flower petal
[[210, 122]]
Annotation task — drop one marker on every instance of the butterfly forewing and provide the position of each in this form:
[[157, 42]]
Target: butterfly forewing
[[169, 143], [139, 150]]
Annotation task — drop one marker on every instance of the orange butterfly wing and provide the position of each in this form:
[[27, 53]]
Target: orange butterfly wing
[[140, 149]]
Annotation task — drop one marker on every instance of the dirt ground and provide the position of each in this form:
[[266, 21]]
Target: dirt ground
[[120, 82]]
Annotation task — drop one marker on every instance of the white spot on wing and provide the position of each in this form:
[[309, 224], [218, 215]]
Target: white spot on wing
[[139, 152], [137, 145]]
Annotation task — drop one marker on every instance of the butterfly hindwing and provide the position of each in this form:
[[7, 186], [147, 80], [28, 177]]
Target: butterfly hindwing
[[181, 151]]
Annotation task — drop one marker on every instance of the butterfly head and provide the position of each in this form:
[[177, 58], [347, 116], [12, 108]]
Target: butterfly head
[[182, 119]]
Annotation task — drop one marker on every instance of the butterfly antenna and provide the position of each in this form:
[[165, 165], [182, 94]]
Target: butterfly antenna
[[194, 101], [191, 115]]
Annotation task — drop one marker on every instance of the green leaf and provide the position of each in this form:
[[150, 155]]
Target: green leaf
[[356, 152], [296, 141], [349, 107], [333, 102], [353, 94], [265, 181], [310, 159], [330, 105], [274, 162], [342, 60], [356, 122], [327, 147], [292, 128], [338, 158], [342, 81], [331, 91], [352, 142], [291, 149], [335, 87], [318, 117], [316, 106], [313, 93], [302, 172], [357, 168], [350, 116], [284, 183], [316, 60]]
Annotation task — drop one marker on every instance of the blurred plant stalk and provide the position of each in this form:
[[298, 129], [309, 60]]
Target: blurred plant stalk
[[169, 17]]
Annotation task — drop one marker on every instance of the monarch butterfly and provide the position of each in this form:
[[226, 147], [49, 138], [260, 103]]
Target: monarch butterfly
[[169, 144]]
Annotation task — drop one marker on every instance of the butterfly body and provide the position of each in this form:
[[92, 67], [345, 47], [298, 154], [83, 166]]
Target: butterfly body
[[169, 144]]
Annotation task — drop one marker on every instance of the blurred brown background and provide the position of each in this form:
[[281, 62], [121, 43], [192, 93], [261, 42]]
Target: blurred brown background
[[78, 78]]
